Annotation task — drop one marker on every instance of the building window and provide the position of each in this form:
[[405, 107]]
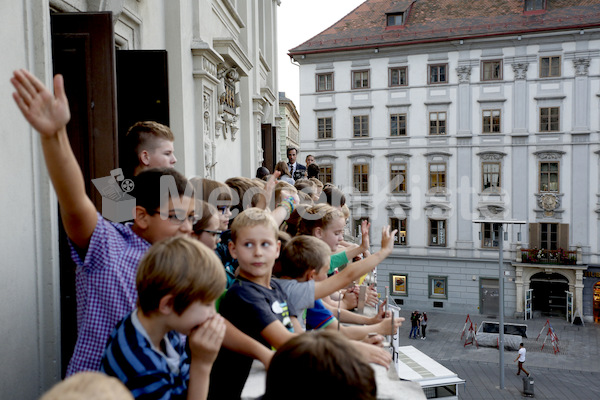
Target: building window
[[399, 285], [361, 125], [400, 225], [534, 5], [358, 225], [438, 287], [361, 178], [438, 73], [326, 173], [490, 237], [398, 125], [549, 119], [437, 123], [549, 236], [325, 128], [395, 19], [325, 82], [437, 176], [398, 76], [490, 176], [549, 177], [360, 79], [437, 232], [491, 121], [491, 70], [549, 67], [398, 178]]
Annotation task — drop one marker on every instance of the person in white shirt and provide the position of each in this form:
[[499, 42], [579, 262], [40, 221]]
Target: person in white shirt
[[521, 359]]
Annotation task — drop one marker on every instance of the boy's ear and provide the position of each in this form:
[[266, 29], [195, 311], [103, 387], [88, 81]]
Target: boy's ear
[[141, 217], [231, 245], [144, 157], [310, 275], [165, 305]]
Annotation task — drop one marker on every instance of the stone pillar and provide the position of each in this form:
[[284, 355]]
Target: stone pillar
[[581, 97], [519, 287], [520, 100], [463, 100], [578, 292], [464, 173]]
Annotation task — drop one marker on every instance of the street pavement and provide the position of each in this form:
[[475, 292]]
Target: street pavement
[[571, 373]]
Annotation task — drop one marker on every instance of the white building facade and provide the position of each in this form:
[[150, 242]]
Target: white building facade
[[429, 119], [220, 69]]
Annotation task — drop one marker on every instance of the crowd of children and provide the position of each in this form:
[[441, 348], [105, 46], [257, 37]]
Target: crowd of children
[[179, 302]]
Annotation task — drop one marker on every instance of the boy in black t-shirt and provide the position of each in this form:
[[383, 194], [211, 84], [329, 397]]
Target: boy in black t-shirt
[[254, 303]]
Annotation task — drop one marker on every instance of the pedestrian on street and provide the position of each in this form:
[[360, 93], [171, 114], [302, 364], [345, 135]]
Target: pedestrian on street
[[521, 359], [414, 323], [423, 325]]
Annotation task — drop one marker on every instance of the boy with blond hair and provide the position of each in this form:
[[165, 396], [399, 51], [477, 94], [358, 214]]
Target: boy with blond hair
[[88, 385], [255, 304], [178, 281]]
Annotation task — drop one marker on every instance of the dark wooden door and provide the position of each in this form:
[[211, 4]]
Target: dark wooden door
[[269, 145], [83, 52]]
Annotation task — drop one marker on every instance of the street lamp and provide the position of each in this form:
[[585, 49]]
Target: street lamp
[[500, 223]]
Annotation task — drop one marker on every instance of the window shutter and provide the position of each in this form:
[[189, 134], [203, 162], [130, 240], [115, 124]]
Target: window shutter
[[534, 236], [563, 236]]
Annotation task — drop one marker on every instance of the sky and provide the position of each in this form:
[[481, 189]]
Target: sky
[[297, 22]]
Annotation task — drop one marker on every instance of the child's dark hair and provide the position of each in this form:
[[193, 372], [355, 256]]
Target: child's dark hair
[[147, 187], [327, 361], [284, 239], [182, 267], [303, 253], [312, 170], [333, 196], [205, 212]]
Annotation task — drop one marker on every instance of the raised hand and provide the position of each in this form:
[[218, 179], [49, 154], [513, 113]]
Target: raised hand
[[46, 112], [387, 238], [364, 229]]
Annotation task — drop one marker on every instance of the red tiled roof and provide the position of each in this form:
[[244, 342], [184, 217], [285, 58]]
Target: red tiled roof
[[441, 20]]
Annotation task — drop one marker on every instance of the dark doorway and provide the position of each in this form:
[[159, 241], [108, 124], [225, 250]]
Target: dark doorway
[[269, 145], [549, 295], [142, 95], [83, 52]]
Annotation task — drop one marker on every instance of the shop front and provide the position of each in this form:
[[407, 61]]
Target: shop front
[[556, 290], [591, 294]]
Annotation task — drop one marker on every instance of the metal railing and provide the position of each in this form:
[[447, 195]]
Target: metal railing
[[543, 256]]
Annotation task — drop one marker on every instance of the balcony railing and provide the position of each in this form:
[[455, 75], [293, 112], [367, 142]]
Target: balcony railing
[[543, 256]]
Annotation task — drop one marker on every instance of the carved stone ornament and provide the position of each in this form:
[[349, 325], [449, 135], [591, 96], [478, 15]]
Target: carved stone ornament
[[491, 156], [520, 70], [464, 73], [582, 66], [550, 155], [549, 202]]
